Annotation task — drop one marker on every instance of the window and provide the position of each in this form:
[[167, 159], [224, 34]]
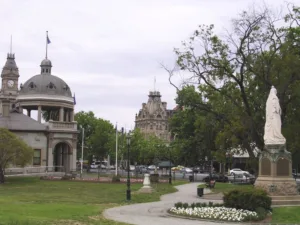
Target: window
[[37, 157]]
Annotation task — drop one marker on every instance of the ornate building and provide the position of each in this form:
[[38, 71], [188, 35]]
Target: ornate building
[[54, 142], [153, 118]]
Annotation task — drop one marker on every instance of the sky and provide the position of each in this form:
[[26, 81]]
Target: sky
[[110, 52]]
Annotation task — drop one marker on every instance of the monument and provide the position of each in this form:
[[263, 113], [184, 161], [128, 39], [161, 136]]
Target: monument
[[146, 185], [275, 162]]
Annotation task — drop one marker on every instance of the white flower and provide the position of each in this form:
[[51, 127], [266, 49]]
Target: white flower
[[217, 213]]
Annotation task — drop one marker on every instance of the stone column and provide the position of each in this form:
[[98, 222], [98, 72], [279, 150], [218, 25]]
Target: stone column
[[40, 113], [50, 159], [72, 115], [74, 158], [29, 112], [68, 116], [61, 114]]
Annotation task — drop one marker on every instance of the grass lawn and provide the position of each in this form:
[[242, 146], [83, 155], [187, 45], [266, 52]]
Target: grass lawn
[[290, 215], [224, 187], [31, 201]]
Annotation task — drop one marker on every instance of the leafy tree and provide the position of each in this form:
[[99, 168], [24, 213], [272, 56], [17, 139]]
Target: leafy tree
[[88, 121], [233, 74], [13, 150], [102, 141]]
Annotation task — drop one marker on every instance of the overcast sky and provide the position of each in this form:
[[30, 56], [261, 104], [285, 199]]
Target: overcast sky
[[109, 51]]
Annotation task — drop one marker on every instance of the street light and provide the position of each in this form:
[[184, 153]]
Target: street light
[[128, 192], [81, 166], [170, 174]]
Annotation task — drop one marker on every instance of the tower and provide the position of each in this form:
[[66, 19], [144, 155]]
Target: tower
[[9, 78]]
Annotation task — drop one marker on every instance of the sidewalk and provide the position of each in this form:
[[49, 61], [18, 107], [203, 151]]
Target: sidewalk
[[156, 212]]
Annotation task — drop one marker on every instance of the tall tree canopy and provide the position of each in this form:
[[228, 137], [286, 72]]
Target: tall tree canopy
[[231, 76], [13, 150]]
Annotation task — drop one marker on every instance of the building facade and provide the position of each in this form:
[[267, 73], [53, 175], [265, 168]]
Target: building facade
[[153, 118], [54, 141]]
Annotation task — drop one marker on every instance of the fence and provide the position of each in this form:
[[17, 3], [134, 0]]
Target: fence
[[41, 170]]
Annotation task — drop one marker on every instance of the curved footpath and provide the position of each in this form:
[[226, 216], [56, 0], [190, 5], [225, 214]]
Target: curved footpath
[[156, 212]]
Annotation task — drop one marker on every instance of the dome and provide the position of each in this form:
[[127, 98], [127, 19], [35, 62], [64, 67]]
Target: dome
[[46, 84], [46, 62]]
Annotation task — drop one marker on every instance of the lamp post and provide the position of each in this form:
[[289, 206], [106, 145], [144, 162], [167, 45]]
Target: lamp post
[[170, 174], [128, 192], [81, 166]]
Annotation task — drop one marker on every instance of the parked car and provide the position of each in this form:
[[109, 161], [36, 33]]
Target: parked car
[[237, 171], [242, 178], [186, 170], [131, 167], [177, 168], [111, 167], [152, 167], [96, 164], [216, 177], [141, 169]]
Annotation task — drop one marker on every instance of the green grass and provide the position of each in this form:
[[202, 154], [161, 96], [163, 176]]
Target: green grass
[[33, 201], [290, 215], [225, 187]]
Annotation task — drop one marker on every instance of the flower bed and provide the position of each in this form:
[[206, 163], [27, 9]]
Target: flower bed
[[217, 213]]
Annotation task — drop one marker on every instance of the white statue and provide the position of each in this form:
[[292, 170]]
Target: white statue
[[273, 120]]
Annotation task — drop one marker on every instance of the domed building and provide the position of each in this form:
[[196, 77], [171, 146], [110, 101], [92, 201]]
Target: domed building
[[153, 118], [53, 136]]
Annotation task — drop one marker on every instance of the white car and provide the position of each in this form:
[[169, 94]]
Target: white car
[[95, 165], [186, 170], [237, 171], [152, 167]]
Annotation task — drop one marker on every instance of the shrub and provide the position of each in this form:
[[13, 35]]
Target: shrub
[[154, 178], [185, 205], [66, 177], [247, 199], [178, 205], [116, 178], [261, 212], [197, 205]]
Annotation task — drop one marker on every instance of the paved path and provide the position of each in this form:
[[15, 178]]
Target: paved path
[[156, 212]]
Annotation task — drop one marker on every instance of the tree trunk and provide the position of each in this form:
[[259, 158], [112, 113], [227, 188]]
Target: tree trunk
[[1, 175]]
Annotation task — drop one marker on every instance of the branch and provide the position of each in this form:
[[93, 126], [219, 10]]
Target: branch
[[171, 74]]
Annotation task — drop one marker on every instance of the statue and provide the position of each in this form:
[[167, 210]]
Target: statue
[[273, 120]]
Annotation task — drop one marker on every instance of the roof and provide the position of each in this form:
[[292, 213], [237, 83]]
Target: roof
[[46, 84], [165, 164], [19, 121], [10, 66]]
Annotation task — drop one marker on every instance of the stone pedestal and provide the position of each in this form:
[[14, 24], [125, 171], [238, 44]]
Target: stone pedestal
[[146, 184], [275, 175]]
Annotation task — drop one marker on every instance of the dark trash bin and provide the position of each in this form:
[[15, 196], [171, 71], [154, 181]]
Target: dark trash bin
[[200, 192], [191, 178]]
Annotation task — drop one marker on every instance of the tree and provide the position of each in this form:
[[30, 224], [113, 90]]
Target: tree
[[88, 121], [102, 141], [234, 73], [13, 150]]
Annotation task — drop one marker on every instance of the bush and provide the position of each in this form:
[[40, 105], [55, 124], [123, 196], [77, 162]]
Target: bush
[[197, 205], [66, 177], [116, 178], [247, 199], [154, 178], [261, 212], [178, 205]]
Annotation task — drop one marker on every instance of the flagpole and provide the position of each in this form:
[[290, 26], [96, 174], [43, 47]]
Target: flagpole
[[116, 149], [46, 44]]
